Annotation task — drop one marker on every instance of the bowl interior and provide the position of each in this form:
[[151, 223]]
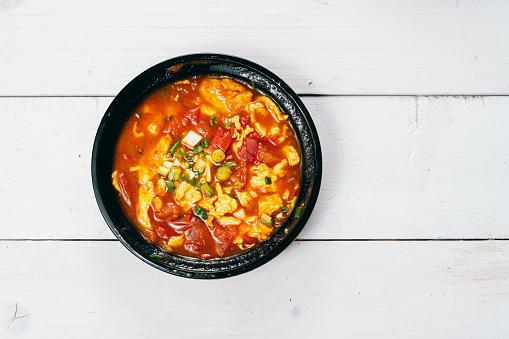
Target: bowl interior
[[181, 68]]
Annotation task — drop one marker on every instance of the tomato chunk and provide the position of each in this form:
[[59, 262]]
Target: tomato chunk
[[162, 232], [125, 187], [197, 238], [173, 127], [150, 235], [266, 153], [248, 240], [245, 120], [240, 174], [191, 116], [203, 127], [249, 149], [224, 236], [221, 140], [182, 221]]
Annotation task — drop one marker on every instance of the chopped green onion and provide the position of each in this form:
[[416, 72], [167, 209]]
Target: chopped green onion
[[169, 117], [204, 157], [156, 256], [175, 173], [180, 216], [163, 171], [198, 149], [227, 125], [268, 181], [223, 173], [230, 164], [207, 189], [252, 84], [266, 219], [200, 212], [192, 181], [205, 143], [200, 171], [198, 187], [166, 95], [298, 212], [228, 189], [185, 177], [235, 196], [213, 119], [218, 155], [189, 159], [173, 148], [170, 186], [294, 201], [180, 153], [284, 209]]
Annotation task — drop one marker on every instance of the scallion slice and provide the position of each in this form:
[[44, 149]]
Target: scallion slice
[[294, 201], [284, 209], [213, 121], [180, 153], [298, 212], [268, 181], [174, 173], [266, 219], [198, 149], [230, 164], [200, 212], [173, 148], [163, 171], [205, 143], [156, 256], [207, 189], [170, 186]]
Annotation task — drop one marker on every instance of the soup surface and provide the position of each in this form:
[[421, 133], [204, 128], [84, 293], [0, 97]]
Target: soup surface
[[207, 167]]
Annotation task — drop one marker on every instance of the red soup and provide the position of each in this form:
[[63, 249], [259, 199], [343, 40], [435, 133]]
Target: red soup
[[207, 167]]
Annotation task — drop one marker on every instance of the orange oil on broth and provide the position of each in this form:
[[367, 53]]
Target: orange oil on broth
[[175, 186]]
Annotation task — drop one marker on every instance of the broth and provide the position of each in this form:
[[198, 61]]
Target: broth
[[207, 167]]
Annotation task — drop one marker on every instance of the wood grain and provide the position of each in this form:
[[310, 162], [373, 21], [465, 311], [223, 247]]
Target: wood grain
[[349, 289], [94, 47], [394, 168]]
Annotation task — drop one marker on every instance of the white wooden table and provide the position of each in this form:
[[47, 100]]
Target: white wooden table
[[410, 234]]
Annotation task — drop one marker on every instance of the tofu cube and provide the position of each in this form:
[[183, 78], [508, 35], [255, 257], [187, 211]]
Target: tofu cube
[[192, 139]]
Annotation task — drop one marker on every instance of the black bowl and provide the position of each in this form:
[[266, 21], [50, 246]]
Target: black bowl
[[179, 68]]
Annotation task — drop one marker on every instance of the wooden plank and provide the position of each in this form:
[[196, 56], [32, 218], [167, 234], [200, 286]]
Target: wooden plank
[[412, 167], [350, 289], [94, 47], [394, 168]]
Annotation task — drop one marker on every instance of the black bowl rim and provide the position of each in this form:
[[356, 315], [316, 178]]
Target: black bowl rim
[[306, 117]]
